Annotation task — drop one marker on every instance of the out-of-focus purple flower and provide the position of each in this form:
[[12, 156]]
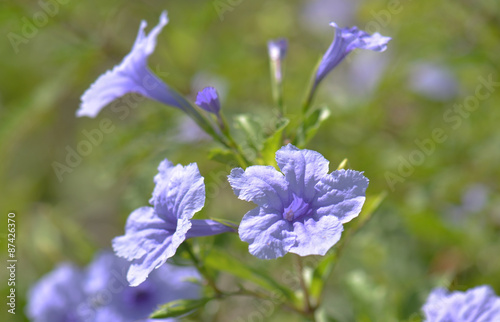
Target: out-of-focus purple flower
[[433, 81], [479, 304], [153, 234], [187, 131], [365, 73], [100, 293], [208, 99], [300, 211], [475, 198], [107, 284], [277, 51], [132, 75], [58, 296], [345, 41]]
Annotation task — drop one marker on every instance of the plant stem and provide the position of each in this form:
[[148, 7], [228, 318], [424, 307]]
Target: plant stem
[[201, 268], [300, 270], [232, 144]]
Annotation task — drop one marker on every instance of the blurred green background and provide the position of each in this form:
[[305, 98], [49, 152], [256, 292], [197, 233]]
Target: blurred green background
[[440, 222]]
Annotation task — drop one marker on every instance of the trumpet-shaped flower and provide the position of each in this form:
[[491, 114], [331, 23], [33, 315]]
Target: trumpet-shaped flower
[[132, 75], [208, 99], [153, 234], [300, 210], [479, 304], [345, 41]]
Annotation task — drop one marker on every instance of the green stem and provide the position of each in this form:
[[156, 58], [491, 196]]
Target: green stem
[[275, 66], [246, 292], [300, 270], [311, 90], [201, 268], [232, 144]]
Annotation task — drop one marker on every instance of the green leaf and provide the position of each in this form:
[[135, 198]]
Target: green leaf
[[311, 125], [178, 307], [224, 262], [223, 156], [320, 274], [273, 143], [252, 128], [314, 121]]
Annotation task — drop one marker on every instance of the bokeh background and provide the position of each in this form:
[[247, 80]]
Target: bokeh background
[[440, 222]]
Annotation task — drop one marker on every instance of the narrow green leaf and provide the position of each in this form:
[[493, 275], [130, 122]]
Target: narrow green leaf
[[253, 131], [311, 124], [223, 156], [273, 143], [320, 275], [224, 262], [178, 307], [314, 121]]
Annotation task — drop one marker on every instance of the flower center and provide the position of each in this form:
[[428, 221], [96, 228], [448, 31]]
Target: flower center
[[297, 208]]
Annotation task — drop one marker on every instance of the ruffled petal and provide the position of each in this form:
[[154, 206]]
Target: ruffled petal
[[302, 168], [316, 237], [262, 185], [157, 256], [179, 191], [268, 234], [341, 194], [144, 231]]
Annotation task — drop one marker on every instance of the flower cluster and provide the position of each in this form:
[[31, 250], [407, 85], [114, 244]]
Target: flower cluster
[[479, 304], [299, 210], [101, 293]]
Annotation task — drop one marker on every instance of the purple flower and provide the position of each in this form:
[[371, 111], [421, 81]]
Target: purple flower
[[434, 81], [345, 41], [100, 293], [132, 75], [107, 283], [153, 234], [300, 211], [277, 52], [58, 296], [208, 99], [479, 304]]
